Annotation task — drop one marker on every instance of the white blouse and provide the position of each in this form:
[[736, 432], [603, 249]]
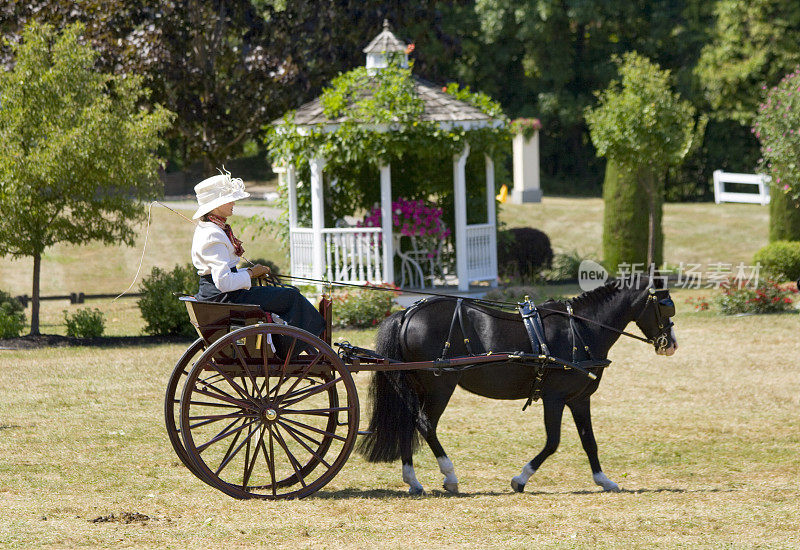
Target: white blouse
[[212, 254]]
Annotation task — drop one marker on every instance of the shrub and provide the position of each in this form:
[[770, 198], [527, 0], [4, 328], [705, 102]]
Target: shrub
[[12, 316], [768, 297], [565, 267], [523, 252], [780, 260], [362, 308], [85, 323], [162, 312]]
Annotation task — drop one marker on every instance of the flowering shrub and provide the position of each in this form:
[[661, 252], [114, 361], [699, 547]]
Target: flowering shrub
[[526, 126], [412, 218], [777, 127], [362, 307], [699, 304], [768, 297]]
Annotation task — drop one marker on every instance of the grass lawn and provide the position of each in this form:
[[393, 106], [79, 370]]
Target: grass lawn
[[704, 444]]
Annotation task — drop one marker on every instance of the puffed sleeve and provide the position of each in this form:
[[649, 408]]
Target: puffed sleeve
[[215, 254]]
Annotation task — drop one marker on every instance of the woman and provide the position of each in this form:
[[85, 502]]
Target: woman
[[216, 251]]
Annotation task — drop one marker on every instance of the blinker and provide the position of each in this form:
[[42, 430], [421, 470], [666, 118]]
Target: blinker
[[666, 307]]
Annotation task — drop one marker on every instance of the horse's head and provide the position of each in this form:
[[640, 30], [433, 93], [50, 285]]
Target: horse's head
[[656, 323]]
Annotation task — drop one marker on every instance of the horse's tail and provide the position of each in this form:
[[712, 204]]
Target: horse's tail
[[395, 404]]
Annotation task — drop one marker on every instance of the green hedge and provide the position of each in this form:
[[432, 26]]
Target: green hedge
[[780, 260], [625, 224], [12, 316]]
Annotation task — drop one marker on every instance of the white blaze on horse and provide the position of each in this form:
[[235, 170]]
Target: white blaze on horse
[[408, 404]]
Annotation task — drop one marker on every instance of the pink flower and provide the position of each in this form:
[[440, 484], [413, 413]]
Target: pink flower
[[786, 187]]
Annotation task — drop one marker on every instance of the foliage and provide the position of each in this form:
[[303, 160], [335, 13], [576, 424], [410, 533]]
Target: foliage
[[768, 297], [526, 126], [565, 266], [753, 42], [640, 121], [625, 228], [784, 215], [523, 252], [75, 149], [777, 127], [219, 65], [162, 312], [12, 316], [643, 128], [362, 307], [85, 323], [780, 260]]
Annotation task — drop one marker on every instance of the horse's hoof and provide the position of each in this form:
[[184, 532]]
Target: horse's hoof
[[602, 480], [517, 486], [416, 491], [451, 488]]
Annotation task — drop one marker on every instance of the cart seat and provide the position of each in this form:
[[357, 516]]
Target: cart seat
[[212, 320]]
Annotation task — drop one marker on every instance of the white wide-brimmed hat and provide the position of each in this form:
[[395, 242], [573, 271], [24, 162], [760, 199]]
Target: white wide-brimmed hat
[[216, 191]]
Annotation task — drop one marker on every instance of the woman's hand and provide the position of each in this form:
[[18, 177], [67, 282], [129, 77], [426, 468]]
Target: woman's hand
[[257, 271]]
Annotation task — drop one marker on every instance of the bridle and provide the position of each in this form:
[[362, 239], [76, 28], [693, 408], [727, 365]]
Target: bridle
[[662, 311]]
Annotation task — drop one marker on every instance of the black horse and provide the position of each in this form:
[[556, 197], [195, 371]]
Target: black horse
[[406, 404]]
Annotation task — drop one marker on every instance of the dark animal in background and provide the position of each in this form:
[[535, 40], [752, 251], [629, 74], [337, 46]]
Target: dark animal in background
[[523, 252]]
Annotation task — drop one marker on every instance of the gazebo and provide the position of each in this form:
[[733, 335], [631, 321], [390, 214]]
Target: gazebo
[[366, 254]]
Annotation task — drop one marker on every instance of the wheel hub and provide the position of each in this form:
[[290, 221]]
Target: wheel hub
[[270, 414]]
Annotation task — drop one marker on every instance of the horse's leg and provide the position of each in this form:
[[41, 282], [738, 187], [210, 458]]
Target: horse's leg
[[438, 390], [583, 422], [553, 412], [410, 477]]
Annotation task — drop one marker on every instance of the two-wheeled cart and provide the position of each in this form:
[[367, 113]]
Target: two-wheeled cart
[[259, 409]]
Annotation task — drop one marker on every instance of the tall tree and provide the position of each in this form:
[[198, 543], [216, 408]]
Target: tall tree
[[76, 150], [643, 127]]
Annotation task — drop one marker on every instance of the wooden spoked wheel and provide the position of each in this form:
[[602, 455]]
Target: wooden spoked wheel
[[259, 426], [172, 401]]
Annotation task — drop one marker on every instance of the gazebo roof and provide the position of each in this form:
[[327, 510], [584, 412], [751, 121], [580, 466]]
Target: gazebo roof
[[385, 42], [439, 107]]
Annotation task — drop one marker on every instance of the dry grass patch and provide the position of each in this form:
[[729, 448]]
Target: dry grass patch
[[704, 444]]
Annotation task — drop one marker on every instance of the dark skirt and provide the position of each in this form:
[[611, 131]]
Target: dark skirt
[[286, 302]]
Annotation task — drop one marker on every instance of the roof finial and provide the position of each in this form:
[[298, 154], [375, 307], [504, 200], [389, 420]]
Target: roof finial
[[386, 24]]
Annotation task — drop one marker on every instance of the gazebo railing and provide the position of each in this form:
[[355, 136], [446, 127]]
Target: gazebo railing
[[481, 252], [352, 254]]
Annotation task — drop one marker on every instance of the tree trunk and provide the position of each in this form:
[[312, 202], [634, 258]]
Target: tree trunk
[[650, 190], [37, 264], [784, 216]]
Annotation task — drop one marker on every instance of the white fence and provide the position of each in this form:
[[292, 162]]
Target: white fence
[[352, 255], [761, 180], [481, 252]]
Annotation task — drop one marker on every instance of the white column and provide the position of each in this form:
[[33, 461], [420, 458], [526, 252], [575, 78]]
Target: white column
[[526, 169], [317, 217], [291, 185], [460, 205], [491, 216], [386, 223]]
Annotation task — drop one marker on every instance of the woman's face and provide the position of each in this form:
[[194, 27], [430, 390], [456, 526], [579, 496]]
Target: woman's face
[[224, 211]]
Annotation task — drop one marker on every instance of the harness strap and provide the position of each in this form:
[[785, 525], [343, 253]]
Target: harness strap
[[533, 325], [456, 315], [576, 334]]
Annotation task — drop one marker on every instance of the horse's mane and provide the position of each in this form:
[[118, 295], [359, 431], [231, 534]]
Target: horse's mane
[[597, 295]]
